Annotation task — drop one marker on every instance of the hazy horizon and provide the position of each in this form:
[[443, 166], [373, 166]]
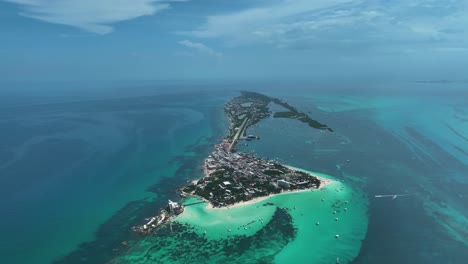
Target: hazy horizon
[[224, 40], [109, 107]]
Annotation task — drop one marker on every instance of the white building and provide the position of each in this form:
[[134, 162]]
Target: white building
[[226, 183], [283, 184], [173, 206]]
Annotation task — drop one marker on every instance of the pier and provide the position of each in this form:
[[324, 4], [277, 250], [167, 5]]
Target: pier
[[189, 204]]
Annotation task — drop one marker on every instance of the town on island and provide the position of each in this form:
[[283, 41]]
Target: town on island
[[232, 177]]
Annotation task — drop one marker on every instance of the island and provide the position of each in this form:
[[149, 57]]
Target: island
[[232, 177]]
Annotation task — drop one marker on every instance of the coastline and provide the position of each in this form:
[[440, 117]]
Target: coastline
[[250, 176], [323, 183], [302, 227], [213, 220], [337, 209]]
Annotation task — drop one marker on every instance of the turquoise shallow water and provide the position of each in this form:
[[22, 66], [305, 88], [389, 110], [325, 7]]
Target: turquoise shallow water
[[434, 129], [399, 140], [440, 118], [70, 167], [318, 244], [310, 243], [83, 164]]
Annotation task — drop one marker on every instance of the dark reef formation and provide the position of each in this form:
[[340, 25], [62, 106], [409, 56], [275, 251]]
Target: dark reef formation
[[184, 245]]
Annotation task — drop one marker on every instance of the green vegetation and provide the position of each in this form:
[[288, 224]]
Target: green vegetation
[[293, 113], [240, 177], [285, 115], [272, 172], [284, 104], [189, 189], [256, 96], [303, 118]]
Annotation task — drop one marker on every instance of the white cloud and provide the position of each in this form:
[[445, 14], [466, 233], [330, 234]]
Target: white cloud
[[342, 25], [200, 47], [91, 15], [245, 25]]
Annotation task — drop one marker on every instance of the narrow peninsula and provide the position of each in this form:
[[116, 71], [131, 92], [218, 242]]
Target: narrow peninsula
[[232, 177]]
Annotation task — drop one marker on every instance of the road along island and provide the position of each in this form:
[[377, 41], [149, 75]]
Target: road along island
[[247, 209], [233, 178]]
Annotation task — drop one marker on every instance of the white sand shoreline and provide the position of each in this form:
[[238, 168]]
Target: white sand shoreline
[[323, 183]]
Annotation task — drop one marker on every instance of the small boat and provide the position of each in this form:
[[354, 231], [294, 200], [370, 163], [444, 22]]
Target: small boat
[[394, 196]]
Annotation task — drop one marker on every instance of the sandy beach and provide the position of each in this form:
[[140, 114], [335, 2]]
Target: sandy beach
[[323, 183]]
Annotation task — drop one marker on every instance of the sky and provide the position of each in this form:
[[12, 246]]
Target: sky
[[70, 40]]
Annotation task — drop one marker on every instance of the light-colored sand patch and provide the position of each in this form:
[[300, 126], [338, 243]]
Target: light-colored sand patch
[[336, 207], [323, 183]]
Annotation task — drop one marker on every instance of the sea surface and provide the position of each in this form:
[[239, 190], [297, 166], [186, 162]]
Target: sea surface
[[75, 175], [302, 227], [77, 171]]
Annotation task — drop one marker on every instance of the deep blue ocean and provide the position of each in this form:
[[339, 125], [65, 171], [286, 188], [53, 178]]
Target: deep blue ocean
[[81, 163]]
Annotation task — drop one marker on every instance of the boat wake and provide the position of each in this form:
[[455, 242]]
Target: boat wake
[[394, 196]]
